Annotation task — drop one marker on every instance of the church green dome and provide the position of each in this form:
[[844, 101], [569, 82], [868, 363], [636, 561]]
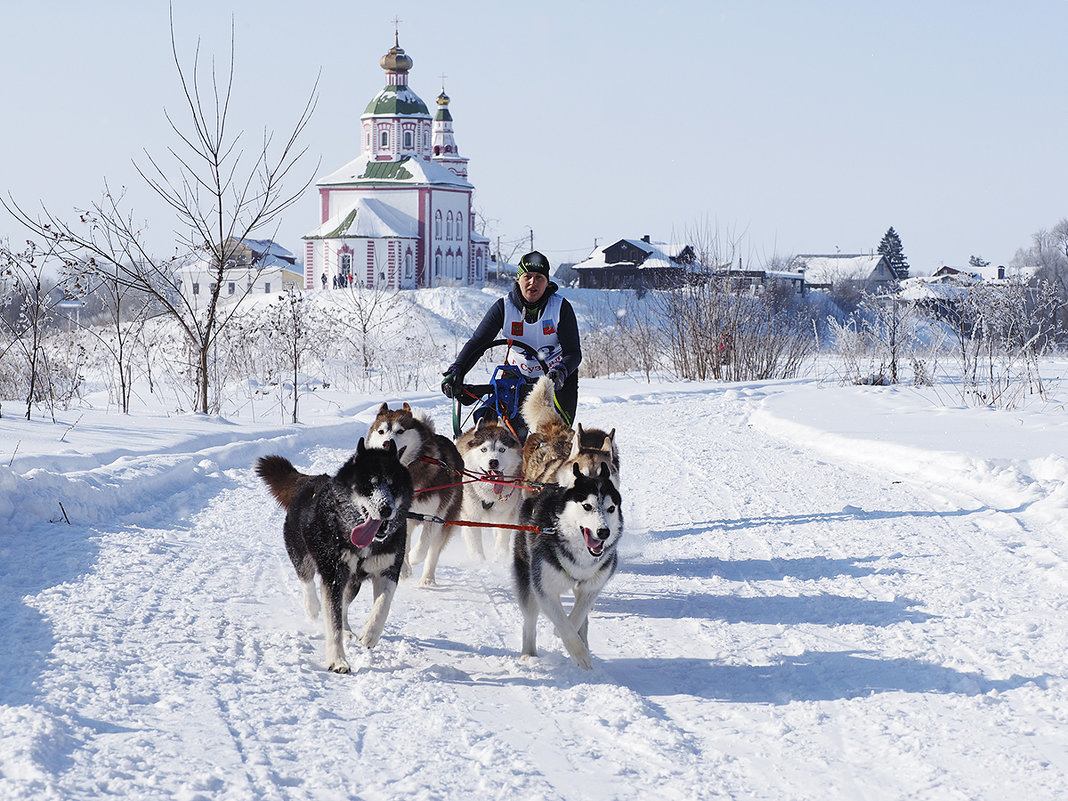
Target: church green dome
[[397, 100]]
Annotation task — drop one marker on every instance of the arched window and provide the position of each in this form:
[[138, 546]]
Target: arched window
[[448, 226], [409, 262], [437, 225], [383, 139], [459, 225], [409, 142]]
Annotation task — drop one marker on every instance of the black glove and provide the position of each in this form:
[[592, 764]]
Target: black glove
[[558, 376], [448, 384]]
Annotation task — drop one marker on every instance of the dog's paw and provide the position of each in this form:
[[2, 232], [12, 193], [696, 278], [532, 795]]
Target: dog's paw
[[580, 654], [369, 639], [339, 666], [427, 581], [406, 570]]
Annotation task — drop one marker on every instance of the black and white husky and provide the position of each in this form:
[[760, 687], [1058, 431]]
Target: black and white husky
[[347, 528], [574, 551]]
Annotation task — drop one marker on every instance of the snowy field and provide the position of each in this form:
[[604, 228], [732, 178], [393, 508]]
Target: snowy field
[[825, 593]]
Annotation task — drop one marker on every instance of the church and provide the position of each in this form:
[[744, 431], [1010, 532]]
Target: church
[[398, 216]]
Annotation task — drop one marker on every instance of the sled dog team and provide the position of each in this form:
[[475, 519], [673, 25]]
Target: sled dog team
[[561, 484]]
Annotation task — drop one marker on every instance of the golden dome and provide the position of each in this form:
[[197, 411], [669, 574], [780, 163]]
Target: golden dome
[[396, 60]]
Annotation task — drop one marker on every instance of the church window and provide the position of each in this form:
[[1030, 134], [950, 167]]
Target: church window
[[459, 225], [267, 288], [408, 263], [383, 139], [437, 225], [437, 150], [437, 265], [448, 226], [408, 143], [196, 288]]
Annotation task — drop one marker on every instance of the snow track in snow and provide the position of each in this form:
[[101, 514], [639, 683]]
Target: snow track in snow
[[790, 621]]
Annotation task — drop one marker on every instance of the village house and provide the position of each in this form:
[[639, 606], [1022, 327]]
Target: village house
[[824, 271], [257, 266], [636, 264]]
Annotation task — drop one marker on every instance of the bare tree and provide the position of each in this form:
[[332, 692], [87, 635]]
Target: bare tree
[[368, 315], [28, 301], [220, 192]]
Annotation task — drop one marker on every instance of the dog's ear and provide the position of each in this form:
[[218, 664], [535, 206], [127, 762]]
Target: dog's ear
[[407, 408], [576, 470], [604, 472], [607, 446], [360, 447], [384, 408], [576, 442], [480, 424]]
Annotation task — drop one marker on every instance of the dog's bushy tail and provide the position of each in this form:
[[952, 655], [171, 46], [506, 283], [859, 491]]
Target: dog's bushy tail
[[281, 478], [539, 412]]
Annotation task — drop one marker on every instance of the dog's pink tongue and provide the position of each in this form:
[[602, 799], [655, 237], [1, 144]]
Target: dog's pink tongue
[[595, 545], [497, 474], [364, 534]]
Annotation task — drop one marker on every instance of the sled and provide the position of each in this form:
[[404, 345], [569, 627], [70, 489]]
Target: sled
[[502, 397]]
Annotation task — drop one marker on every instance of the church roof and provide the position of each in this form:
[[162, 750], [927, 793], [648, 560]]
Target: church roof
[[368, 218], [399, 100], [406, 171]]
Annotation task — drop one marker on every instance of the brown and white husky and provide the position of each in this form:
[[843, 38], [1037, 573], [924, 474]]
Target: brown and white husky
[[437, 474], [552, 448]]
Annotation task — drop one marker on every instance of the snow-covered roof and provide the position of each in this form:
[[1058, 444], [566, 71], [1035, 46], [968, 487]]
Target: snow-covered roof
[[406, 171], [399, 100], [368, 218], [937, 287], [658, 256], [269, 247], [829, 269]]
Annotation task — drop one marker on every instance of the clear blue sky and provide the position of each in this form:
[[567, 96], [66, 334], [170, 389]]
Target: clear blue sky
[[792, 127]]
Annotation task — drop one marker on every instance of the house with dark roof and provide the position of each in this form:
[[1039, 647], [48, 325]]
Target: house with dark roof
[[636, 264]]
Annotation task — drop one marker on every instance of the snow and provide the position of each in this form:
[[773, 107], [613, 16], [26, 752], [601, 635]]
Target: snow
[[825, 592]]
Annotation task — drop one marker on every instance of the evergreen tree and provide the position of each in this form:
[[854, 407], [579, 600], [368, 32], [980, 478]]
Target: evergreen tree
[[895, 256]]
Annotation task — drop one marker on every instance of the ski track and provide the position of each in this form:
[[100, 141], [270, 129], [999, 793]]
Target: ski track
[[783, 626]]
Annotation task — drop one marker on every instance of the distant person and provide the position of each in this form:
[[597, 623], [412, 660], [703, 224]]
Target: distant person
[[532, 313]]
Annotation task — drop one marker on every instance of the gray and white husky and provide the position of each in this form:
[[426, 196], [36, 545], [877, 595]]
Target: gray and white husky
[[574, 552], [492, 452]]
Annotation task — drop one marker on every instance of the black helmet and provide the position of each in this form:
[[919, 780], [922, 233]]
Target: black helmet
[[533, 262]]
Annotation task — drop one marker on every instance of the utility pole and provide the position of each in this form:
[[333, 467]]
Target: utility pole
[[532, 239]]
